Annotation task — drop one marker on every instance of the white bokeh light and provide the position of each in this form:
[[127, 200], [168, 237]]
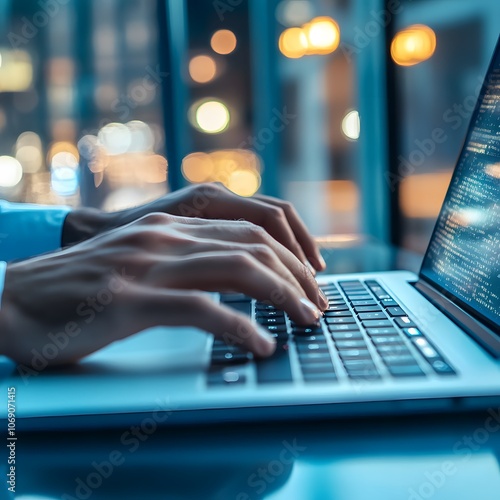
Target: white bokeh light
[[11, 172]]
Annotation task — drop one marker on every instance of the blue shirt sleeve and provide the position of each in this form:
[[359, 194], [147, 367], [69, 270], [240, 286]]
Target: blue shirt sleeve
[[3, 268], [27, 230]]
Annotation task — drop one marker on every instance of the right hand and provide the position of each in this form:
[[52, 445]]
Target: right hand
[[149, 273]]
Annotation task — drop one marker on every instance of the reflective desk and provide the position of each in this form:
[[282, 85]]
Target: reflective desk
[[443, 457]]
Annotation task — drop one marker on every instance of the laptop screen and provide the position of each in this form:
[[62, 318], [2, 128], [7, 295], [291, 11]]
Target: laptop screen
[[463, 257]]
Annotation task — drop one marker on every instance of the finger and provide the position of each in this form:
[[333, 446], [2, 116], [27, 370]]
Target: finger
[[239, 272], [154, 307], [281, 259], [264, 254], [270, 217], [304, 238]]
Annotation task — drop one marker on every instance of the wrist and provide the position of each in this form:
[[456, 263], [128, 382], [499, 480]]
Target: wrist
[[84, 223]]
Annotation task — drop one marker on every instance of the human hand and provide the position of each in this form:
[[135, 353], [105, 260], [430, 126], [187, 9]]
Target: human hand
[[208, 201], [147, 274]]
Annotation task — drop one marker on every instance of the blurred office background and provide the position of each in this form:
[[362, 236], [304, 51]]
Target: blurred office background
[[354, 110]]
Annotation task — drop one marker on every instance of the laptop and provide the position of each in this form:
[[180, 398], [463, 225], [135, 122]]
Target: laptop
[[390, 342]]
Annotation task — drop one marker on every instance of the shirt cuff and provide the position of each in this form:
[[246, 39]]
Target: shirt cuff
[[3, 269], [30, 230]]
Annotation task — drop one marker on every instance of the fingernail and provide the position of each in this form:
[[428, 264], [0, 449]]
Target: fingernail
[[324, 299], [311, 312], [321, 262]]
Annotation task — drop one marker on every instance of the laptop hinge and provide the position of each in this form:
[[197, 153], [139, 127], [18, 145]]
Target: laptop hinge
[[478, 331]]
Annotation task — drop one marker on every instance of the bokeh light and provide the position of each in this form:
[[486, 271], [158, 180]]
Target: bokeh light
[[211, 117], [323, 35], [64, 159], [351, 125], [30, 157], [293, 43], [413, 45], [11, 172], [294, 12], [237, 169], [198, 167], [64, 180], [62, 147], [16, 71], [244, 182], [115, 138], [202, 69], [29, 152], [223, 42], [141, 136]]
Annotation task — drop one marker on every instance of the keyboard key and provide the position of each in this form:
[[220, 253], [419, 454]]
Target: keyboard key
[[387, 339], [343, 307], [395, 311], [337, 321], [277, 329], [377, 323], [344, 327], [319, 377], [350, 283], [354, 335], [220, 377], [425, 348], [318, 368], [372, 315], [260, 306], [355, 354], [356, 298], [381, 331], [225, 298], [405, 370], [393, 349], [367, 309], [350, 344], [269, 314], [337, 314], [412, 332], [225, 348], [275, 369], [314, 357], [336, 302], [389, 302], [406, 359], [244, 307], [310, 339], [358, 364], [271, 321], [441, 367], [363, 374], [404, 322], [230, 358], [307, 348], [356, 303], [307, 331]]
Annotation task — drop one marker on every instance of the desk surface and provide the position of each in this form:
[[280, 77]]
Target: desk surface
[[453, 457]]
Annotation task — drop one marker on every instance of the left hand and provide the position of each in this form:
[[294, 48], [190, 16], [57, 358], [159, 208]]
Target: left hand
[[208, 201]]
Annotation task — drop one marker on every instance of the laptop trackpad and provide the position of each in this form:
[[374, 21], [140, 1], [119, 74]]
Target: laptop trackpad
[[171, 349]]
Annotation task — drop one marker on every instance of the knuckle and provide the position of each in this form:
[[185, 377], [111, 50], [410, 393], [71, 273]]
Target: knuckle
[[156, 218], [263, 252], [277, 213], [241, 259]]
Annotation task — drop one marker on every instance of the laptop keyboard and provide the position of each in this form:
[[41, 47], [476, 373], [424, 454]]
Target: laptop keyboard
[[364, 335]]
